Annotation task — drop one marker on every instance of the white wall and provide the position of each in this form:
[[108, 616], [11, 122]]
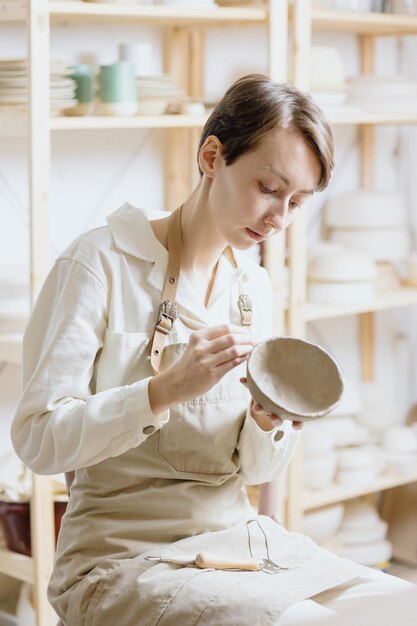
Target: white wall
[[94, 172]]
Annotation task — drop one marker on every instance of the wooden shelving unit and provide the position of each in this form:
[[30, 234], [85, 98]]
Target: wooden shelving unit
[[367, 26], [339, 493], [183, 31], [184, 52]]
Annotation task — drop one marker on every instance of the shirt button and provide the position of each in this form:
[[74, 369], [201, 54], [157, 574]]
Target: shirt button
[[148, 430]]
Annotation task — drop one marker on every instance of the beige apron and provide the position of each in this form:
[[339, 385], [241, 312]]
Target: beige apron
[[179, 492]]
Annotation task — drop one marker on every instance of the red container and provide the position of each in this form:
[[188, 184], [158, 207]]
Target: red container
[[15, 520]]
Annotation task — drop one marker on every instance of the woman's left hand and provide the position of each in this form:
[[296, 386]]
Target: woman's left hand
[[267, 421]]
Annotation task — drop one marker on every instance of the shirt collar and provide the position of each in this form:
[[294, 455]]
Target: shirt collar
[[133, 234]]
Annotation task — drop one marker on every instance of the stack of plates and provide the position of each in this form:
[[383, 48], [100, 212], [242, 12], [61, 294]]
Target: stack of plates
[[156, 93], [370, 222], [363, 535], [340, 276], [385, 94], [14, 86]]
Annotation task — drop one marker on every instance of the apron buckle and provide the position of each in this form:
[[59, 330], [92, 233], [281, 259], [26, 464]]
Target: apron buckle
[[245, 307], [168, 313]]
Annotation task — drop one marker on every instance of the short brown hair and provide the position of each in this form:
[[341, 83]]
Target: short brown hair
[[255, 104]]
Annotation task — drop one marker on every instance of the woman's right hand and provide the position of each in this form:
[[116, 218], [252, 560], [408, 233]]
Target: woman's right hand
[[208, 356]]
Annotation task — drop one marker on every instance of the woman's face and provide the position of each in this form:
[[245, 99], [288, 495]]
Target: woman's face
[[263, 190]]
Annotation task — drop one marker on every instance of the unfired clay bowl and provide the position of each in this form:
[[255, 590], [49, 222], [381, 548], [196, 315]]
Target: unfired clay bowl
[[294, 379]]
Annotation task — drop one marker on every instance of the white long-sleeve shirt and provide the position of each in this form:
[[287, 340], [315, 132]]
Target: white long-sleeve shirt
[[96, 310]]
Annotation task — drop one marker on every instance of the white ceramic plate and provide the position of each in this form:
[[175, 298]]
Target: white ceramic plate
[[342, 266], [340, 293], [390, 244], [361, 536], [323, 523], [366, 209], [368, 554]]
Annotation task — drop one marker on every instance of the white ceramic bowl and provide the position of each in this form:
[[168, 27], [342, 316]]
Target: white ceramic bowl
[[356, 477], [317, 440], [327, 70], [366, 209], [346, 431], [361, 536], [370, 555], [340, 293], [343, 266], [400, 439], [371, 89], [356, 458], [320, 472], [401, 462], [359, 514], [351, 401], [323, 523], [152, 106], [390, 244]]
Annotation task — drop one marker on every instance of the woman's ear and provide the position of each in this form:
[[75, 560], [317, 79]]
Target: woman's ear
[[210, 153]]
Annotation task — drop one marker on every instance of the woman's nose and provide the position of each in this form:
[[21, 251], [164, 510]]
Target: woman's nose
[[278, 217]]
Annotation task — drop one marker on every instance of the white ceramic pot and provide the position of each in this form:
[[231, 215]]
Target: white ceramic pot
[[401, 462], [317, 441], [372, 89], [366, 209], [152, 106], [356, 477], [124, 109], [343, 266], [401, 439], [359, 514], [360, 536], [323, 523], [404, 7], [326, 68], [390, 244], [351, 401], [340, 293], [319, 472], [370, 555], [356, 458], [346, 432]]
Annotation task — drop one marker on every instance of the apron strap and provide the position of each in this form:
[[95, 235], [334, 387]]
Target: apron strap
[[168, 307]]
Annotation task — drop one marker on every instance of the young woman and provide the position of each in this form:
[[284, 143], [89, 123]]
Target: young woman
[[148, 405]]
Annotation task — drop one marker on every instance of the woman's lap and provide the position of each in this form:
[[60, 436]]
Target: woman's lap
[[376, 598]]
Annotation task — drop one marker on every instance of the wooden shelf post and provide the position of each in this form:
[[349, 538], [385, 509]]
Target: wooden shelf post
[[42, 515]]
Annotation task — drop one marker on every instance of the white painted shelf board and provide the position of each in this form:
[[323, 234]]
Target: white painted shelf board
[[364, 23], [339, 493], [11, 348], [70, 11], [12, 10], [16, 565], [363, 117], [136, 121], [405, 296]]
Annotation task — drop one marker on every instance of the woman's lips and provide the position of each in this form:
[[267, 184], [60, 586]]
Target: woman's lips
[[255, 236]]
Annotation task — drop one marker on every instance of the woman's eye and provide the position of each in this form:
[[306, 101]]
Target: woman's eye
[[265, 189], [295, 205]]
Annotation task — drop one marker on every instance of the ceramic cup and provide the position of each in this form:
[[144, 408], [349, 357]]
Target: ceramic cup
[[117, 88], [294, 379], [83, 75]]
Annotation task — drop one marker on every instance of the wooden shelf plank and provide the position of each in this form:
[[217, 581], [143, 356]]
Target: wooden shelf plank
[[11, 348], [136, 121], [365, 23], [364, 117], [339, 493], [70, 11], [16, 565], [12, 10], [405, 296]]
